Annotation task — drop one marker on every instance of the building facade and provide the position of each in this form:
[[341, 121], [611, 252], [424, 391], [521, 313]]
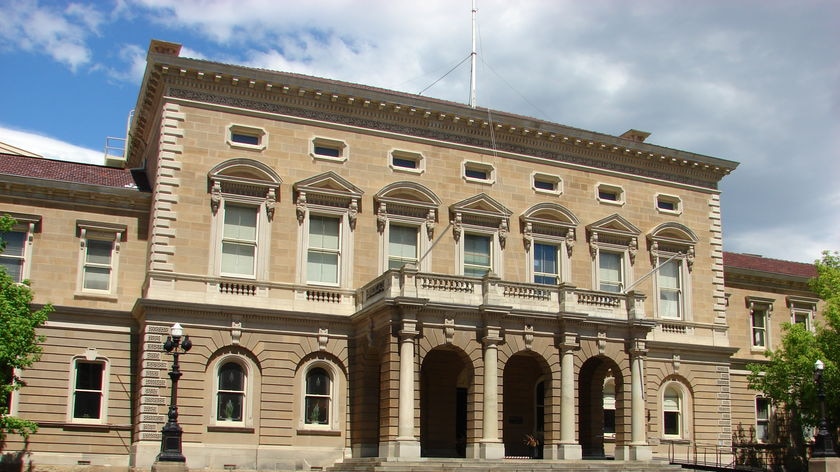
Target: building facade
[[366, 273]]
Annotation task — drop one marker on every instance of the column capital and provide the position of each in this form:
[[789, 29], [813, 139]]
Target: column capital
[[637, 347], [409, 330], [492, 336], [568, 342]]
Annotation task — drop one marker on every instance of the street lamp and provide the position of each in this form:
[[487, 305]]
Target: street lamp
[[823, 445], [170, 442]]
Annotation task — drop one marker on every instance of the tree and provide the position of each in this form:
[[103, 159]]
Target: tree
[[19, 340], [787, 378]]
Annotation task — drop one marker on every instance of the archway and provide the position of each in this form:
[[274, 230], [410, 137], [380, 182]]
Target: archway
[[525, 391], [600, 416], [445, 381]]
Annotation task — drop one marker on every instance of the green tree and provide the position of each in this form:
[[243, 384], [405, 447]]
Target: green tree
[[19, 340], [787, 377]]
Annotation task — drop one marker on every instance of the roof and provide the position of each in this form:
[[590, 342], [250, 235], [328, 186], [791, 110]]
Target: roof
[[73, 172], [734, 260]]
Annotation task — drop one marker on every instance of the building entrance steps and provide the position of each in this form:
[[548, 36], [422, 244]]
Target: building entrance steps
[[502, 465]]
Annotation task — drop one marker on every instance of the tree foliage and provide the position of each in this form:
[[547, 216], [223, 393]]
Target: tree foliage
[[787, 378], [19, 340]]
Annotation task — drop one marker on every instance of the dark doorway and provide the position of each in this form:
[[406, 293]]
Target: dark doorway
[[444, 404], [599, 409], [523, 406]]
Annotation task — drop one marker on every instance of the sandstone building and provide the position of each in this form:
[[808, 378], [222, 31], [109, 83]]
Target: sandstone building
[[367, 273]]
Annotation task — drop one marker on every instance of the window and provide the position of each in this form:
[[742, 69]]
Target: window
[[477, 255], [98, 256], [549, 236], [668, 204], [239, 240], [546, 267], [230, 396], [12, 258], [613, 243], [546, 183], [760, 310], [762, 419], [406, 161], [802, 311], [247, 137], [318, 398], [329, 149], [88, 391], [406, 216], [480, 228], [479, 172], [672, 412], [243, 194], [324, 250], [609, 407], [669, 282], [402, 245], [610, 272], [610, 194], [327, 206]]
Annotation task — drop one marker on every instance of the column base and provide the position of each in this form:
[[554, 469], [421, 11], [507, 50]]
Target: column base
[[166, 466], [824, 464], [400, 449], [567, 452], [493, 449], [633, 453]]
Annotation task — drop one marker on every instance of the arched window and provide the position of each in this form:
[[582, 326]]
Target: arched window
[[318, 398], [609, 407], [230, 396], [672, 412]]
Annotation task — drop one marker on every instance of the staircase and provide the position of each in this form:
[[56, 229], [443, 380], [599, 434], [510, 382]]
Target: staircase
[[501, 465]]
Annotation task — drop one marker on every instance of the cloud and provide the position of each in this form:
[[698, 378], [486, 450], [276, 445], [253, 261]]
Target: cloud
[[49, 147]]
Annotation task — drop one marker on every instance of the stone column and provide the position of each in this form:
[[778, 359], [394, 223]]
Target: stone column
[[639, 449], [490, 446], [406, 445], [568, 448]]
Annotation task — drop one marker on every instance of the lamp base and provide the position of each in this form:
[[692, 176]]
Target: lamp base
[[824, 464], [165, 466]]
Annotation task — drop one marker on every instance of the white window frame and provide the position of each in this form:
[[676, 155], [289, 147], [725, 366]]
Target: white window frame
[[485, 167], [415, 157], [27, 225], [555, 180], [493, 254], [260, 190], [683, 289], [249, 393], [805, 307], [679, 411], [339, 251], [407, 204], [610, 188], [335, 407], [253, 243], [260, 133], [672, 199], [329, 143], [107, 232], [89, 358], [676, 242], [418, 252], [480, 215], [623, 272], [684, 418], [765, 422], [609, 403], [757, 305], [613, 234], [549, 224]]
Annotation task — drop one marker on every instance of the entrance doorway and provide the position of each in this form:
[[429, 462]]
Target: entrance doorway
[[445, 381], [524, 406], [600, 407]]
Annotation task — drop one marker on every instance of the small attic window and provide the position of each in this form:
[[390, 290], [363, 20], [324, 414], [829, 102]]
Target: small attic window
[[329, 149], [479, 172], [546, 183], [247, 137], [610, 194], [668, 204], [407, 161]]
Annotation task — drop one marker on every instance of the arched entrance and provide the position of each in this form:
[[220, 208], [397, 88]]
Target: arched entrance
[[445, 381], [525, 385], [600, 406]]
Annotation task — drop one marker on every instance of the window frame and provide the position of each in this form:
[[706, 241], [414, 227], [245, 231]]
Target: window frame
[[476, 166], [218, 391], [492, 259], [329, 143], [415, 261], [480, 215], [252, 243], [764, 307], [251, 386], [804, 306], [671, 199], [685, 416], [613, 234], [555, 180], [679, 411], [338, 251], [620, 196], [765, 422], [606, 407], [412, 156], [673, 241], [549, 224], [100, 232], [682, 275], [261, 134], [334, 397], [27, 225], [89, 359], [406, 204]]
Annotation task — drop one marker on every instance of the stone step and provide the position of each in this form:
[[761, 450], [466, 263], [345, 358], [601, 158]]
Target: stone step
[[503, 465]]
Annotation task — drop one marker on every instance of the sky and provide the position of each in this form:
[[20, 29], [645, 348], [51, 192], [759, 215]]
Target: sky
[[752, 81]]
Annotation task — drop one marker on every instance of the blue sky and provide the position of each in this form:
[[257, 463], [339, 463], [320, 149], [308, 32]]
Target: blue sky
[[754, 81]]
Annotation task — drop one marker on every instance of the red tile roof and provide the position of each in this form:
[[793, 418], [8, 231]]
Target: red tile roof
[[48, 169], [771, 266]]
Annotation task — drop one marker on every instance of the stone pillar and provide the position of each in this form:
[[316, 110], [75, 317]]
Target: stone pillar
[[568, 448], [406, 445], [639, 449], [490, 446]]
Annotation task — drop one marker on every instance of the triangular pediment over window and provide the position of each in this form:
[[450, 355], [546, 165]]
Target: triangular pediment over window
[[480, 208], [328, 189], [614, 225]]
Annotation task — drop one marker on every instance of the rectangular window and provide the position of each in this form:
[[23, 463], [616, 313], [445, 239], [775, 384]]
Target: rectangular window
[[762, 419], [473, 173], [477, 259], [671, 410], [610, 271], [666, 205], [670, 290], [243, 138], [239, 240], [324, 249], [12, 257], [546, 266], [802, 318], [402, 245], [97, 266], [759, 327], [87, 390], [545, 185], [327, 151], [479, 172]]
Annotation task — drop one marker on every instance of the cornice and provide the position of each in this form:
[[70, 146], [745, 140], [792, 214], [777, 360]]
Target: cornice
[[76, 195], [379, 110]]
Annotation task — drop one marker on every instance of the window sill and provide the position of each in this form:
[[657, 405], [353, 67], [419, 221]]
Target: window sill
[[673, 440], [229, 429], [318, 432], [758, 349], [110, 297]]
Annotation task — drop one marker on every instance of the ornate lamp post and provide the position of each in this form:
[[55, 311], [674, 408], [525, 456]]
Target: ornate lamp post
[[170, 443], [823, 445]]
